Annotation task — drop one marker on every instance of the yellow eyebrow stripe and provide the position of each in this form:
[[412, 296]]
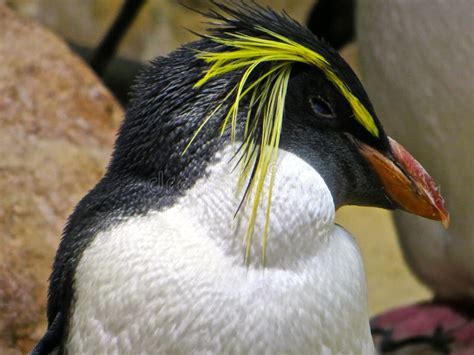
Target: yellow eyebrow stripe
[[282, 49]]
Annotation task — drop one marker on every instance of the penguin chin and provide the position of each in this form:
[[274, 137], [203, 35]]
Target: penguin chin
[[296, 183]]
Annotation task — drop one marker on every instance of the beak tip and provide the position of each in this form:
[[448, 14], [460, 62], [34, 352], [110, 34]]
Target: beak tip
[[441, 213], [445, 221]]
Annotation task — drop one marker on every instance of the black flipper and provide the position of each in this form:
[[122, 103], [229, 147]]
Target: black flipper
[[52, 338]]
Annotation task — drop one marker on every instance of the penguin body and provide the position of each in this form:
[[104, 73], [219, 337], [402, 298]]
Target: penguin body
[[181, 281], [158, 257], [431, 108], [430, 44]]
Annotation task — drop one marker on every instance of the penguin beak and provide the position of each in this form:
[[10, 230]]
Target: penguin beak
[[406, 182]]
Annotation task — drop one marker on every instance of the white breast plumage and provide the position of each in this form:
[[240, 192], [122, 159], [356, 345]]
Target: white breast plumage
[[175, 281]]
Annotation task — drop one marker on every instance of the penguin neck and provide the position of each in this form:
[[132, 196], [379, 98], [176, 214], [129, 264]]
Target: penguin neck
[[301, 214]]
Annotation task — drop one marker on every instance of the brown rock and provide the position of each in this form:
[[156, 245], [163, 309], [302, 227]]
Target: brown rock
[[57, 125]]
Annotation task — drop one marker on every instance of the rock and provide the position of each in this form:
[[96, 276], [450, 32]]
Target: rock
[[56, 134]]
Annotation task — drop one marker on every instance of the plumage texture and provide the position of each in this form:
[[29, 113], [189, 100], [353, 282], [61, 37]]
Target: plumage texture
[[178, 285], [118, 233], [260, 47]]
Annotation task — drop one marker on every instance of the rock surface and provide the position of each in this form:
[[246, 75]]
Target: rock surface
[[57, 125]]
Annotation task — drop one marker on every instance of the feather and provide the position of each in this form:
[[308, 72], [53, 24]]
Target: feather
[[262, 58]]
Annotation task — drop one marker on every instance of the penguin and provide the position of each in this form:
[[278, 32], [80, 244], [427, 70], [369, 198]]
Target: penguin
[[444, 260], [213, 228], [430, 45]]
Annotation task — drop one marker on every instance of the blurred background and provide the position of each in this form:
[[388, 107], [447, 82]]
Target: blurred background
[[58, 126]]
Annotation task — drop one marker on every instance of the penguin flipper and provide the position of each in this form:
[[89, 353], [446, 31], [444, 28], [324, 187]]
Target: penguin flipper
[[51, 340]]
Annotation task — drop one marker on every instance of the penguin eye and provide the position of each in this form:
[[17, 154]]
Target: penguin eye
[[321, 107]]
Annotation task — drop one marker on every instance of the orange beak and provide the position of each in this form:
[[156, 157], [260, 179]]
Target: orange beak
[[406, 182]]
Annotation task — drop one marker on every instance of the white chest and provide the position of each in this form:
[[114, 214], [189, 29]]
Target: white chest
[[175, 281]]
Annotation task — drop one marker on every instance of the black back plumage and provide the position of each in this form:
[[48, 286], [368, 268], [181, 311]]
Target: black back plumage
[[146, 171]]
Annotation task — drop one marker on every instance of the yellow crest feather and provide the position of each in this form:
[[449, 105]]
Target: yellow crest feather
[[266, 93]]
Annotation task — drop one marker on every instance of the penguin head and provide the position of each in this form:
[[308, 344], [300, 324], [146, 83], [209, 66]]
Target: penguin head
[[263, 81], [319, 127]]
